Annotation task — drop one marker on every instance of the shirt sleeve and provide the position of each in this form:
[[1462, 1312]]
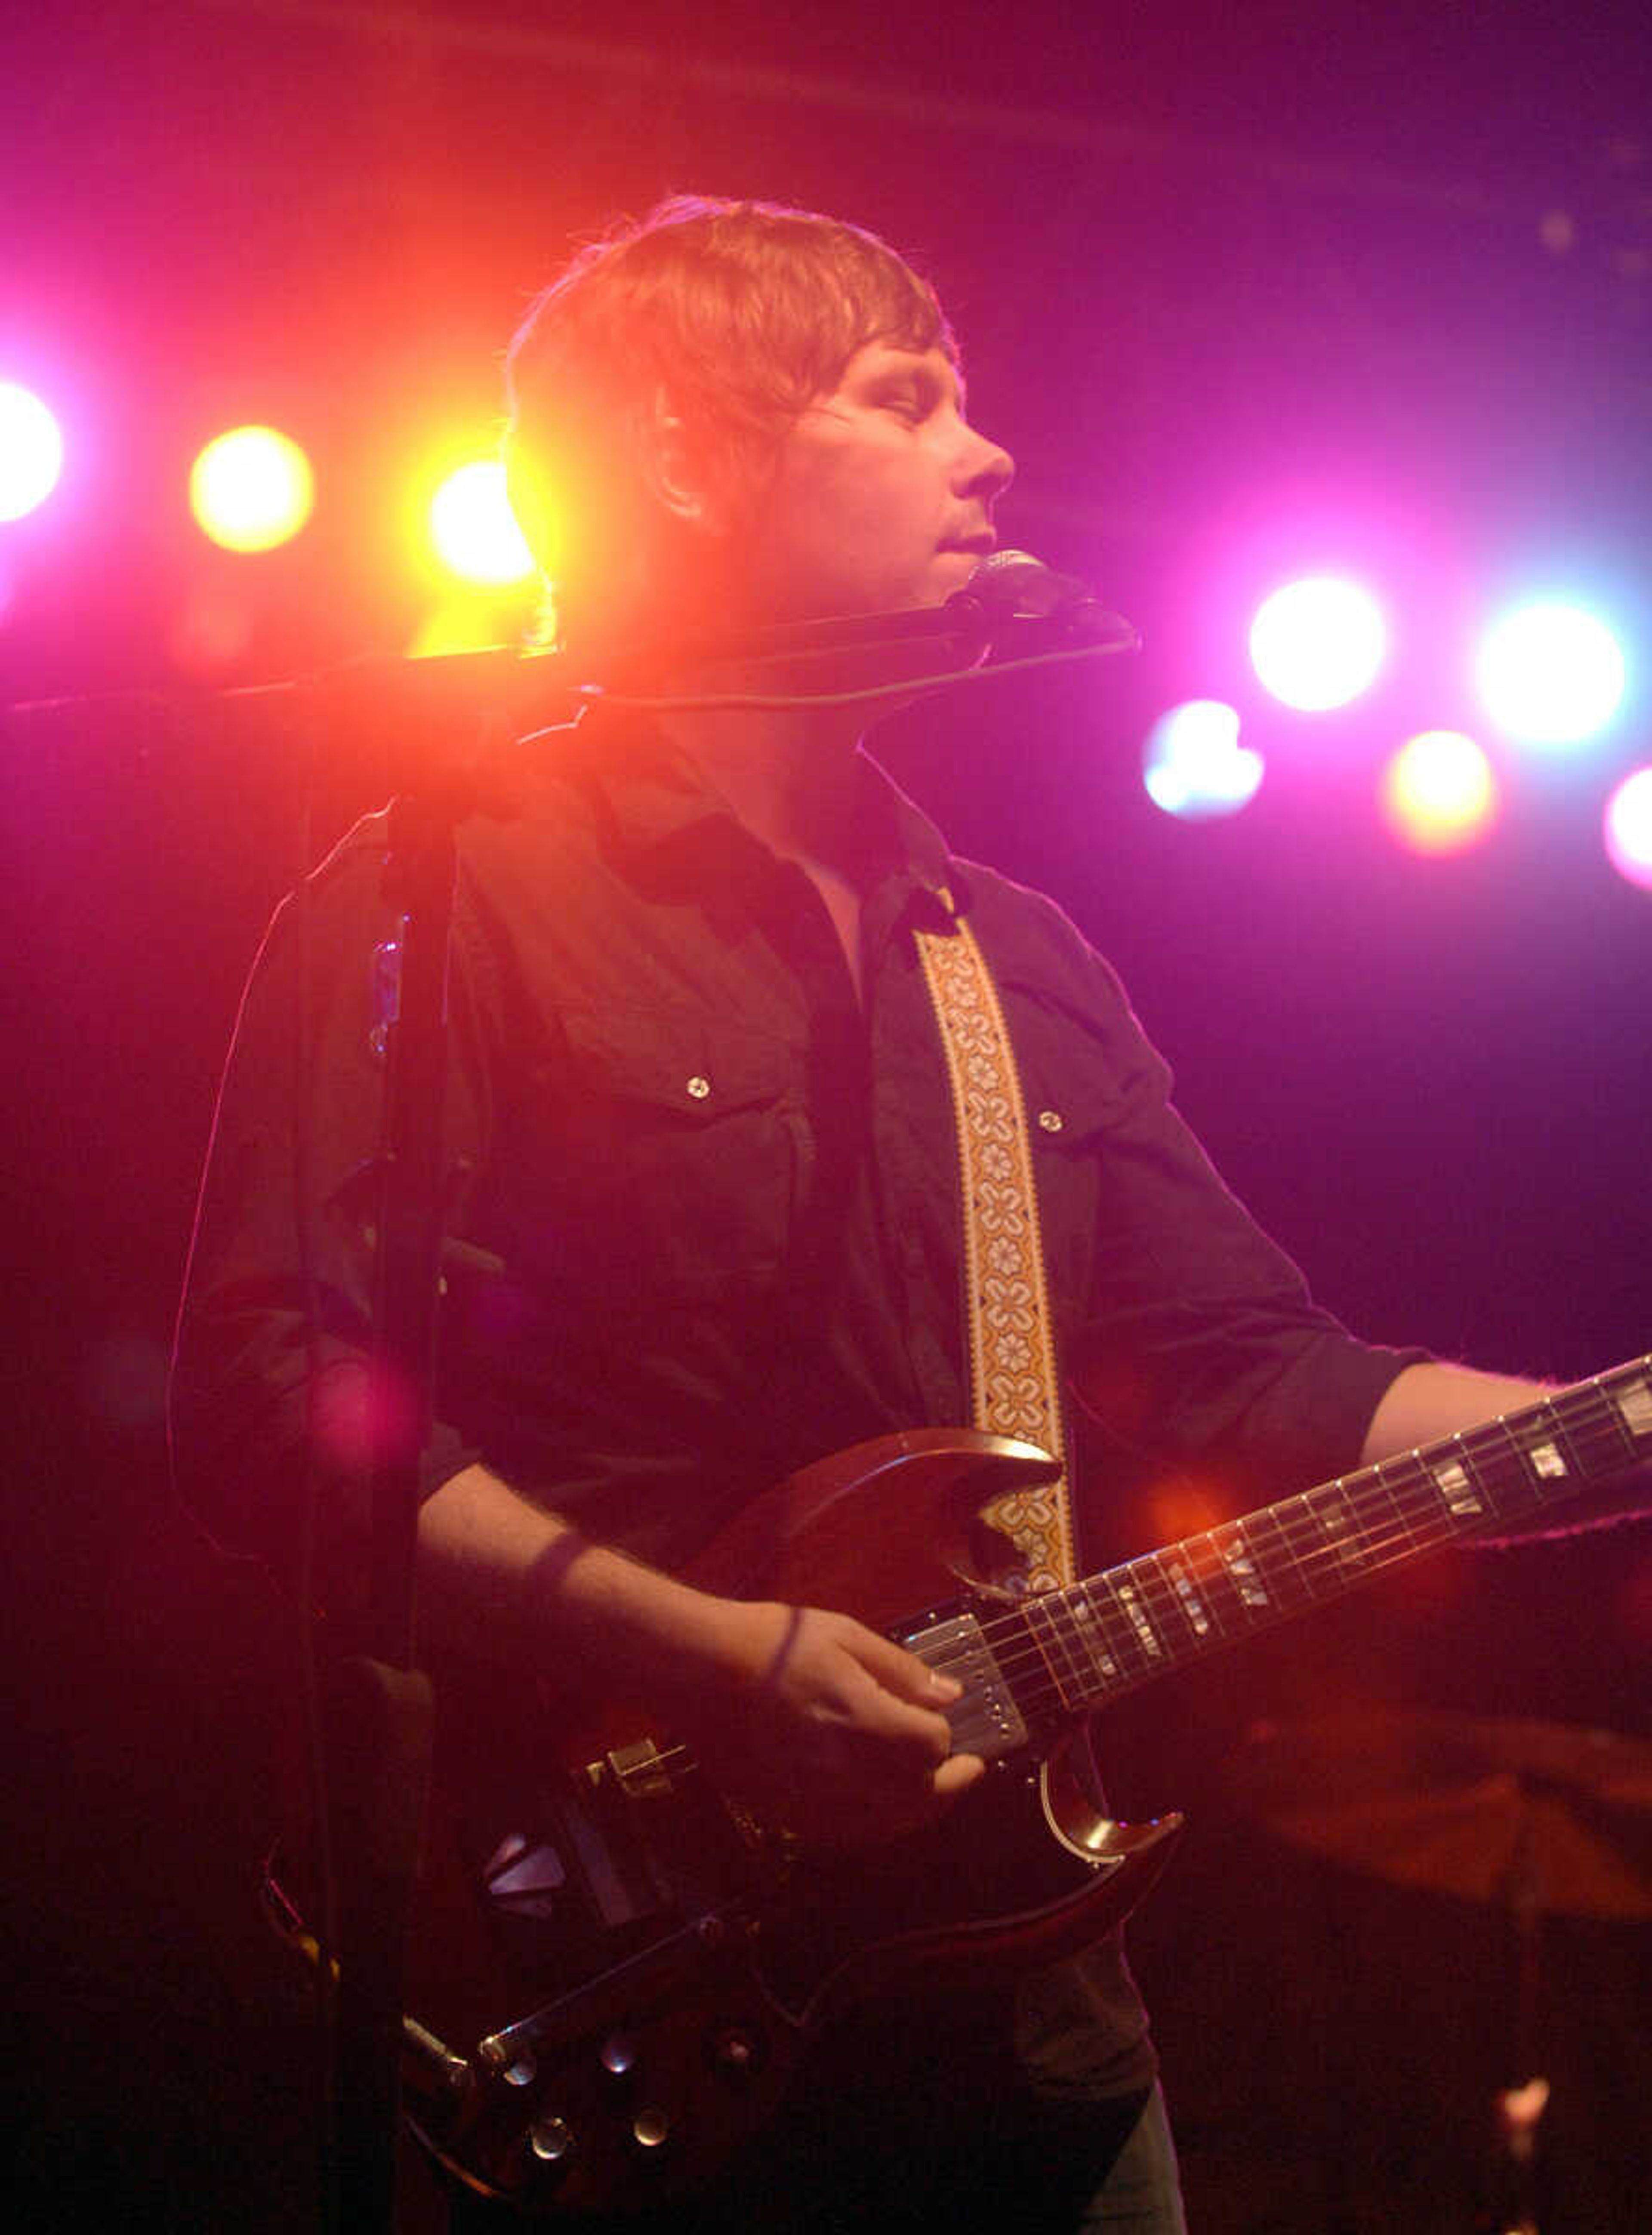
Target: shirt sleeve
[[1195, 1335], [268, 1393]]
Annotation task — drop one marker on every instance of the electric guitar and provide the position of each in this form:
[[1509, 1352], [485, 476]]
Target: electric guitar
[[677, 1957]]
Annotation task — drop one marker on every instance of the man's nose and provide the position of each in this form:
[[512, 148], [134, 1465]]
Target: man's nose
[[988, 470]]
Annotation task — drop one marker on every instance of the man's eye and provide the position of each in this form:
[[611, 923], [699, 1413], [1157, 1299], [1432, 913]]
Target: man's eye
[[911, 403]]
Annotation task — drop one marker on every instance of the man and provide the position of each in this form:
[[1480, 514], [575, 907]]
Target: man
[[705, 1222]]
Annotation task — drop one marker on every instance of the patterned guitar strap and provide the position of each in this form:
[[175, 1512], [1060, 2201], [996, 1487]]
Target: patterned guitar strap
[[1014, 1380]]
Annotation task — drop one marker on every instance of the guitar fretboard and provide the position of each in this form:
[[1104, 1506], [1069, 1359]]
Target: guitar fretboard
[[1118, 1630]]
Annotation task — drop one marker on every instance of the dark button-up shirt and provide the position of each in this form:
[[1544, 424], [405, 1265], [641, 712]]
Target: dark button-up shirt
[[704, 1224]]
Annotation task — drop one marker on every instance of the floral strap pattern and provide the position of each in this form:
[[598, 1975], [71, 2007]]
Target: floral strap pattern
[[1015, 1384]]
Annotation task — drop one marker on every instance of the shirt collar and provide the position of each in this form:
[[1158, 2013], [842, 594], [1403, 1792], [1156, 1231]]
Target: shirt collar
[[654, 800]]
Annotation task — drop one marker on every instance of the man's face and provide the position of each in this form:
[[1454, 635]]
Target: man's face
[[882, 497]]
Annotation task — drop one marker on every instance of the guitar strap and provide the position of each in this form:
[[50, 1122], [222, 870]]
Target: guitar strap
[[1015, 1381]]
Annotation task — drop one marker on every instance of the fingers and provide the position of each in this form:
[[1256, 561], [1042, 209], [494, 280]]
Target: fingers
[[957, 1773], [845, 1738], [901, 1673]]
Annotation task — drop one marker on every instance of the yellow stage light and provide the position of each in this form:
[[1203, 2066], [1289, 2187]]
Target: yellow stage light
[[251, 490], [460, 624], [1438, 792], [475, 530]]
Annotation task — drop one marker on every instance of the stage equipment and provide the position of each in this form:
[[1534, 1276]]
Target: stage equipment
[[1629, 828], [475, 530], [251, 490], [1438, 793], [1539, 1819], [1317, 643], [1194, 765], [1550, 673], [31, 451]]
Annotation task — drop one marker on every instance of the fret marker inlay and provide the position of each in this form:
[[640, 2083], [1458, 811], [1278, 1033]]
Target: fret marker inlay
[[1095, 1637], [1329, 1507], [1546, 1462], [1192, 1605], [1139, 1621], [1457, 1490], [1634, 1405], [1243, 1569]]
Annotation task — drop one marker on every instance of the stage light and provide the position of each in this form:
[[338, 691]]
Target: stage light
[[475, 530], [1438, 792], [469, 622], [1550, 673], [1629, 828], [1317, 643], [1193, 764], [251, 490], [31, 451]]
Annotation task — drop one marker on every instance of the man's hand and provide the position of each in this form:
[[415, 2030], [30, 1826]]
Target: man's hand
[[820, 1726], [815, 1723]]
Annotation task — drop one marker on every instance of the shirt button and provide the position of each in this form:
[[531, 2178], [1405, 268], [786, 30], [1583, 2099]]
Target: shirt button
[[699, 1087], [1051, 1120]]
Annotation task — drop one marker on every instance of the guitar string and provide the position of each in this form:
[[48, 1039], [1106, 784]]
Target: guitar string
[[1297, 1529], [1296, 1525]]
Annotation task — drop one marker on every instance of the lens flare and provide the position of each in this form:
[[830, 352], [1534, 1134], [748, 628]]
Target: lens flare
[[475, 530], [251, 490], [1550, 673], [1193, 764], [1439, 793], [1628, 828], [1319, 643], [31, 451]]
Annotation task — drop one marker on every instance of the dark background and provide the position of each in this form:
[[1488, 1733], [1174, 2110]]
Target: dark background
[[1238, 288]]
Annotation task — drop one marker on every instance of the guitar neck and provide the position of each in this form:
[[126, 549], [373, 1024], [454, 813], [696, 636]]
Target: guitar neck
[[1118, 1630]]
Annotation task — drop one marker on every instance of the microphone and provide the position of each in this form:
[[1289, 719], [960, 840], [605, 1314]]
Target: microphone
[[1019, 603]]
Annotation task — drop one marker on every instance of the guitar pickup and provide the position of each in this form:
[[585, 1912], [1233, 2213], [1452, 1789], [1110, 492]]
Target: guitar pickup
[[640, 1770], [984, 1719]]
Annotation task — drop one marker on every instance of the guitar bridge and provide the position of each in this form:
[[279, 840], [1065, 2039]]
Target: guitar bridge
[[984, 1719]]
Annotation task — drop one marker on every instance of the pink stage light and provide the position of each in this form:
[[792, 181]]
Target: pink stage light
[[1438, 792], [31, 451], [1550, 673], [1319, 643], [1193, 764], [1628, 828]]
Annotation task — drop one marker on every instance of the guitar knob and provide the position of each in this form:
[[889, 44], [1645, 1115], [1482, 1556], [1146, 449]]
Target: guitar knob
[[650, 2130], [551, 2140], [618, 2055]]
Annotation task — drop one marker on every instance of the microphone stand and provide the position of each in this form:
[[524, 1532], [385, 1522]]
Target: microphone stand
[[378, 1746]]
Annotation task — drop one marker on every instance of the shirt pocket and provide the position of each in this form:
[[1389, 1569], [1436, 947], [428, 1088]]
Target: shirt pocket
[[671, 1154], [1078, 1105]]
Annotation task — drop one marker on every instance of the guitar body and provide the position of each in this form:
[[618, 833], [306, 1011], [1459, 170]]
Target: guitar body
[[657, 1962]]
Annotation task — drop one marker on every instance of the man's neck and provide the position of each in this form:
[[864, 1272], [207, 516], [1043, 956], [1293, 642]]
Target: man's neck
[[789, 773], [790, 778]]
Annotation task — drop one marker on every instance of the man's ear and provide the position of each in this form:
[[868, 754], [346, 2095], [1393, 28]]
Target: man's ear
[[674, 470]]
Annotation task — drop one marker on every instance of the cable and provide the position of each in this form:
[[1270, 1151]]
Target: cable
[[755, 702]]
